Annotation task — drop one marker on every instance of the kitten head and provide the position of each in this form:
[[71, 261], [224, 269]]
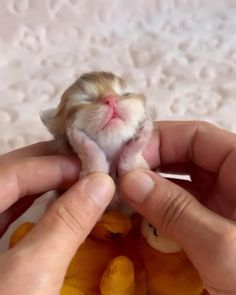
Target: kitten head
[[102, 105]]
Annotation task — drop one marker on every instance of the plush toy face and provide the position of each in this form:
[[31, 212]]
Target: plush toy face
[[117, 260], [169, 271], [111, 226], [158, 241]]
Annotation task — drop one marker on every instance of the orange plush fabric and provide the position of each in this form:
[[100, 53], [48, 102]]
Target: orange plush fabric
[[116, 260]]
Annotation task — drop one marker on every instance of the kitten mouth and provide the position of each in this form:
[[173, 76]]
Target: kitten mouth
[[113, 116]]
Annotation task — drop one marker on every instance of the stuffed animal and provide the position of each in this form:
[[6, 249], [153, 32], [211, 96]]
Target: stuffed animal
[[126, 256], [169, 270]]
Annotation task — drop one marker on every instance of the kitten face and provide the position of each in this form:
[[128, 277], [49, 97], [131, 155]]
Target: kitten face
[[101, 105]]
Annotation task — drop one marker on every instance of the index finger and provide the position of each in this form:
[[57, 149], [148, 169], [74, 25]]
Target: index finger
[[199, 142], [43, 148], [35, 175]]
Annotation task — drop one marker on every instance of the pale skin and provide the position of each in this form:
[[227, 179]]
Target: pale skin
[[37, 264], [198, 215]]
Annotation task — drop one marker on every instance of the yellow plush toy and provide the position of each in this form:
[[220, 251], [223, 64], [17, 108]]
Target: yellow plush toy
[[126, 256]]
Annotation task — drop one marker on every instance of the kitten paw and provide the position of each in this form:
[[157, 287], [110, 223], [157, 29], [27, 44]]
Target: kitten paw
[[131, 155], [91, 155]]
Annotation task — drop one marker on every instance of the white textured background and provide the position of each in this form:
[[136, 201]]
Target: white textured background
[[181, 54]]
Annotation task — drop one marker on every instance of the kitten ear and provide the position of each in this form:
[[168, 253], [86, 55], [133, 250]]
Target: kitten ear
[[47, 117]]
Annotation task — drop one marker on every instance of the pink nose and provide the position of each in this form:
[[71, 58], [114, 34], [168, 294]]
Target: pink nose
[[110, 100]]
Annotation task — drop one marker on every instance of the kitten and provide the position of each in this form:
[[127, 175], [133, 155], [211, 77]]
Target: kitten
[[103, 121]]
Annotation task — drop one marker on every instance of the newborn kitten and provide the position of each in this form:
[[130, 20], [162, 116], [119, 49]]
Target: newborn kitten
[[104, 122]]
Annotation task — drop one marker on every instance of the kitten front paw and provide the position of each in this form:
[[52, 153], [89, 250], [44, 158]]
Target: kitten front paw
[[91, 155], [131, 155], [142, 138]]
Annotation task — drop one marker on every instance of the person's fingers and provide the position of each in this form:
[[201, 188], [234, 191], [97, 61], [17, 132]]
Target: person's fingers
[[175, 212], [202, 181], [210, 150], [202, 143], [55, 239], [186, 185], [44, 148], [35, 175]]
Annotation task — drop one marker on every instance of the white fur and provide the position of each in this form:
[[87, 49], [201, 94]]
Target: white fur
[[111, 138]]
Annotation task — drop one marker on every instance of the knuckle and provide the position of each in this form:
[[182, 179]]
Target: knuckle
[[199, 128], [65, 214], [174, 205], [205, 124]]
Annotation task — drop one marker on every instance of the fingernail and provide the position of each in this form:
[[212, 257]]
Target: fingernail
[[137, 186], [100, 188]]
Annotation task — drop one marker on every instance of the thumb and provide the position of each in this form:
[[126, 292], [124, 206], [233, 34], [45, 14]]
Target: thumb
[[55, 239], [176, 213]]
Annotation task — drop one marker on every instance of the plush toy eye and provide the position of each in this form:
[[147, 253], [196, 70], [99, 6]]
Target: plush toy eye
[[154, 229], [155, 232], [157, 240], [150, 225]]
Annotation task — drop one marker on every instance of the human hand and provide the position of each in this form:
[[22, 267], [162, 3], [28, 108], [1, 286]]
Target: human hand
[[33, 152], [38, 263], [200, 215]]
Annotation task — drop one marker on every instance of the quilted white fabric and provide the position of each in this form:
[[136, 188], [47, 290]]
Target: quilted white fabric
[[181, 54]]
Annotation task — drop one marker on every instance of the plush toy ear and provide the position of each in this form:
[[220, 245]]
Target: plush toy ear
[[47, 118]]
